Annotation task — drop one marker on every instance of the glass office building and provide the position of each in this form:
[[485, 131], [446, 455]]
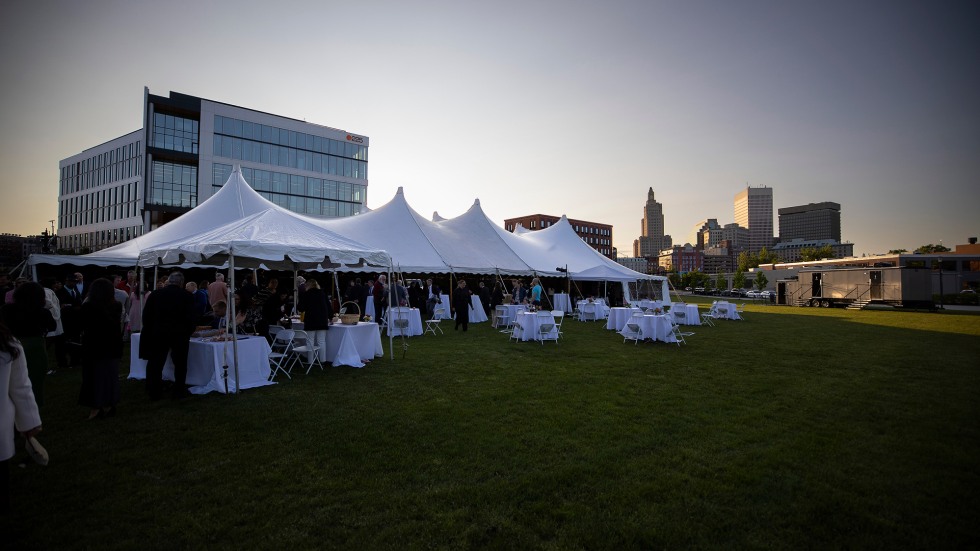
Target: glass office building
[[122, 189]]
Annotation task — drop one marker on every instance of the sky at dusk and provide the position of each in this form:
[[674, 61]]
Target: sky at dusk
[[553, 107]]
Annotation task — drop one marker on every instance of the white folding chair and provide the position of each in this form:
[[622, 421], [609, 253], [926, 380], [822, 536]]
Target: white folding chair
[[273, 330], [545, 326], [516, 330], [679, 335], [588, 312], [281, 354], [632, 331], [304, 347], [559, 319], [500, 318], [739, 311], [431, 325]]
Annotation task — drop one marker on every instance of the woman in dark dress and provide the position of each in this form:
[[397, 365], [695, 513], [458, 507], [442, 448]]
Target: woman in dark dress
[[29, 321], [101, 350], [316, 318]]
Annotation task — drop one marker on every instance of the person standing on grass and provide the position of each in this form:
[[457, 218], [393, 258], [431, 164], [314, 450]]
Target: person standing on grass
[[18, 409], [536, 292], [168, 321], [218, 290], [462, 304], [29, 321], [316, 318], [101, 350]]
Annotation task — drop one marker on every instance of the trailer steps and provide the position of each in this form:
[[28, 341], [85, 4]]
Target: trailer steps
[[858, 304]]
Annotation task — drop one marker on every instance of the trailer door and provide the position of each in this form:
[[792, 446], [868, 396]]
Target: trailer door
[[815, 291], [875, 284]]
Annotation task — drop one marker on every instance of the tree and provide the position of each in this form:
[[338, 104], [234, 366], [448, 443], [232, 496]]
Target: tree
[[720, 282], [675, 280], [766, 256], [739, 281], [761, 281], [930, 248], [813, 253], [898, 251], [745, 260]]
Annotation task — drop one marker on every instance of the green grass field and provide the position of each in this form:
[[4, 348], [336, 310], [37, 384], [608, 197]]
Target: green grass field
[[796, 428]]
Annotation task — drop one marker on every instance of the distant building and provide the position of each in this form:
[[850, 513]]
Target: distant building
[[789, 251], [184, 152], [736, 236], [720, 259], [702, 229], [680, 259], [15, 248], [753, 211], [637, 264], [652, 239], [815, 221], [598, 236]]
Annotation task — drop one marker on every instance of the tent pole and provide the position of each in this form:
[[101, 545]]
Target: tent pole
[[139, 293], [391, 338], [295, 291], [234, 326]]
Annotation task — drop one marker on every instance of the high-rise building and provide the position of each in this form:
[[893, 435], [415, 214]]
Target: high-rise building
[[652, 239], [185, 151], [753, 211], [598, 236], [816, 221]]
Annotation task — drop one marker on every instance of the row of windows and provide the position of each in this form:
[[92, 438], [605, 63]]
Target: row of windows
[[592, 230], [175, 133], [269, 154], [115, 203], [101, 239], [116, 164], [300, 193], [293, 184], [173, 185], [596, 241], [288, 138]]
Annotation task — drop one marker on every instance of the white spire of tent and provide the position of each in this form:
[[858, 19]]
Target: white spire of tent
[[436, 217]]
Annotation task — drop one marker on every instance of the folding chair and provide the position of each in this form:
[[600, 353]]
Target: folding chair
[[559, 319], [500, 318], [307, 349], [400, 323], [282, 349], [739, 311], [679, 335], [517, 331], [588, 312], [545, 327], [432, 324], [632, 332]]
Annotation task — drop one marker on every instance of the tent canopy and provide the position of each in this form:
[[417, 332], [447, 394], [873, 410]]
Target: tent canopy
[[274, 238]]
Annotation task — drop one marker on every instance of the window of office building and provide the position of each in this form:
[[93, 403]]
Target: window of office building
[[175, 133], [303, 194], [173, 185]]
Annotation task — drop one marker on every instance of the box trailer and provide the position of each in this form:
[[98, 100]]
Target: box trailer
[[857, 287]]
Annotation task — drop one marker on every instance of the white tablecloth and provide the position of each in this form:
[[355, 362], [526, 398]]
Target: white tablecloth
[[657, 328], [531, 322], [685, 314], [368, 308], [477, 315], [618, 317], [601, 310], [563, 302], [513, 309], [726, 310], [205, 361], [648, 304], [413, 316], [352, 344]]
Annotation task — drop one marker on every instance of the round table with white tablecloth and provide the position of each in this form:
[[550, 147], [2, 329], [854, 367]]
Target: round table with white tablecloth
[[685, 314], [655, 328], [412, 315], [563, 302], [530, 325]]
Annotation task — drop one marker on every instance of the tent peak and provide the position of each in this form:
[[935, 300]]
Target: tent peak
[[436, 217]]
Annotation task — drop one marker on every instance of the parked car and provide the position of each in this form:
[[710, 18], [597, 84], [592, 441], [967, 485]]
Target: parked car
[[753, 294]]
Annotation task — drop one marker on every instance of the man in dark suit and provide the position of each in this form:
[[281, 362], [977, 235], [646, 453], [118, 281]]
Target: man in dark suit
[[485, 298], [168, 321]]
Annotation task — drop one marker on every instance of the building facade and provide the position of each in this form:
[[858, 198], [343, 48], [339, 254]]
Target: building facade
[[790, 251], [185, 151], [703, 231], [652, 239], [753, 211], [598, 236], [637, 264], [680, 259], [816, 221]]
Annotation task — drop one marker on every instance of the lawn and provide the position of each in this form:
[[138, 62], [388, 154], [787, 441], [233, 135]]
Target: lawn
[[798, 427]]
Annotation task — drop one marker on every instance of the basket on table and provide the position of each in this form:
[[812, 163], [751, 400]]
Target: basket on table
[[350, 319]]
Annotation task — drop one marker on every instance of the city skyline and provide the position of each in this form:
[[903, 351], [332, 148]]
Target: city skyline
[[570, 107]]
